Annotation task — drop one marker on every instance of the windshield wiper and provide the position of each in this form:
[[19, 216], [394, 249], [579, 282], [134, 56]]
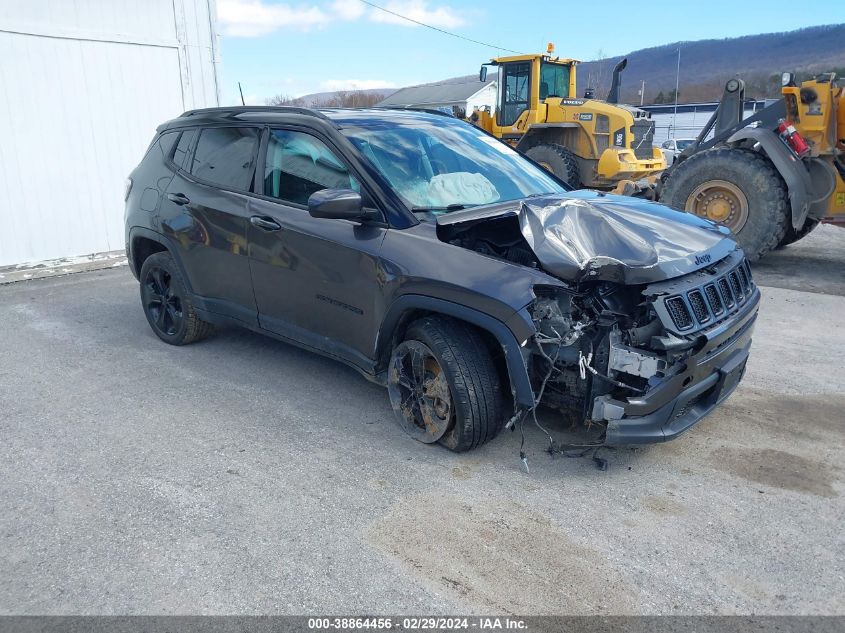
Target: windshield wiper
[[448, 207]]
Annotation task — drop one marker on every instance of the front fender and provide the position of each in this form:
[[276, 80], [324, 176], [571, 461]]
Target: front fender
[[520, 383]]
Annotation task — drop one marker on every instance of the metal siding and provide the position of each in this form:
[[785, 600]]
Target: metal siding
[[83, 93]]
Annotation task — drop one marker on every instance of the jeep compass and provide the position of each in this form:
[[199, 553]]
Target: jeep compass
[[439, 262]]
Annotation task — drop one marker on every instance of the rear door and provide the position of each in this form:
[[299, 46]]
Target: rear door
[[206, 214], [316, 280]]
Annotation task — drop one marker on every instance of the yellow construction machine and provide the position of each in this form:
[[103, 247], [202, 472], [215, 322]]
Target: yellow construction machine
[[772, 177], [585, 142]]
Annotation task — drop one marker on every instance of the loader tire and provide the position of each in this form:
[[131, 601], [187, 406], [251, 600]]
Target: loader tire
[[793, 236], [737, 188], [558, 160]]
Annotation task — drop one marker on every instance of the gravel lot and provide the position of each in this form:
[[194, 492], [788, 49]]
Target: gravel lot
[[242, 475]]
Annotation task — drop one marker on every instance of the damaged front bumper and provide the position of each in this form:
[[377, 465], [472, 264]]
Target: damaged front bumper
[[710, 376]]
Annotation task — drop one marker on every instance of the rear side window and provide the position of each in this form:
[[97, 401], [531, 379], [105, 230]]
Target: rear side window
[[182, 148], [166, 142], [226, 156], [299, 164]]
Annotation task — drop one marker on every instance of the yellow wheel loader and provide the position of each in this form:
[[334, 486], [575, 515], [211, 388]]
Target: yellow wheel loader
[[585, 142], [772, 177]]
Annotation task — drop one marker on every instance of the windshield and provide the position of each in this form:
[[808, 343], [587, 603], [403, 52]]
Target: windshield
[[554, 80], [444, 165], [685, 143]]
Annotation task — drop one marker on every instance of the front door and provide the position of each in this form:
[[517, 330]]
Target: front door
[[317, 281]]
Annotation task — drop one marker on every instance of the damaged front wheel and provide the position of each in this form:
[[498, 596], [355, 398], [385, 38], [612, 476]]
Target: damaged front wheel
[[444, 386]]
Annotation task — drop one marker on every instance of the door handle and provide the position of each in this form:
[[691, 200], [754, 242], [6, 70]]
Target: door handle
[[179, 198], [268, 224]]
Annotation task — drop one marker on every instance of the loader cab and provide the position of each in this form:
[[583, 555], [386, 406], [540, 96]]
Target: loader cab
[[525, 82]]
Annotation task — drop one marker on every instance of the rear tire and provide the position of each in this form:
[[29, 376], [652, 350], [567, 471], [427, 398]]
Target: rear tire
[[739, 178], [793, 236], [475, 404], [167, 303], [558, 160]]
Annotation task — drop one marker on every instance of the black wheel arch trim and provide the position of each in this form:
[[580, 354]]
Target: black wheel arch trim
[[520, 383], [139, 231]]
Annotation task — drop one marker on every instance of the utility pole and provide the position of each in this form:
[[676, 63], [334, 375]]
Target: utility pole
[[642, 92], [677, 83]]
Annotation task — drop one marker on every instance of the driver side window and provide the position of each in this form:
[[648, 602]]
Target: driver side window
[[298, 165]]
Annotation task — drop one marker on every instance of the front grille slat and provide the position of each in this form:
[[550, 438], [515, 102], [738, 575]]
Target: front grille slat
[[719, 294], [737, 289], [679, 313], [743, 280], [715, 301], [726, 293], [699, 307]]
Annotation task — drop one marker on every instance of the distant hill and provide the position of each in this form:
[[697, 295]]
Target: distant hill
[[707, 64]]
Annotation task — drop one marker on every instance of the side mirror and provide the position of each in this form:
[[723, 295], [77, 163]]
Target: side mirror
[[482, 74], [338, 204]]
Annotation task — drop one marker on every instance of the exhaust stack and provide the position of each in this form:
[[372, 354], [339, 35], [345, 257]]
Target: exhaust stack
[[613, 94]]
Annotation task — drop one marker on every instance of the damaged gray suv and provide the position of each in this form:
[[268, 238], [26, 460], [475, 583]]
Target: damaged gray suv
[[439, 262]]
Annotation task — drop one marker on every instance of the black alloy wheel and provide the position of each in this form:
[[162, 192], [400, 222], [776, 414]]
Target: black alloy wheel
[[162, 301]]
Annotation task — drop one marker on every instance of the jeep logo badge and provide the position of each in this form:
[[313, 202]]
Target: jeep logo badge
[[702, 259]]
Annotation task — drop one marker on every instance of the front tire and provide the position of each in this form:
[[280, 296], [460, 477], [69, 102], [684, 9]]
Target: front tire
[[737, 188], [793, 236], [167, 303], [559, 160], [444, 386]]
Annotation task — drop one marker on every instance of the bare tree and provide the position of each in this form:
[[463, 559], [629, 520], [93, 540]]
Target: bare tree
[[598, 72], [353, 99], [285, 100]]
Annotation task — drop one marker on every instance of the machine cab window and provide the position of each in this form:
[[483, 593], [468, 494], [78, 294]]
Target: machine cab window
[[554, 80], [515, 90]]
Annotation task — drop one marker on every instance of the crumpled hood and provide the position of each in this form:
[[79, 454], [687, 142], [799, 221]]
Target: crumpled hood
[[584, 235]]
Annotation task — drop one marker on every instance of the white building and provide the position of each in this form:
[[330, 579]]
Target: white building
[[462, 95], [84, 84], [689, 119]]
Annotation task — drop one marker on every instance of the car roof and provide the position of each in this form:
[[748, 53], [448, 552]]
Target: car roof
[[336, 117]]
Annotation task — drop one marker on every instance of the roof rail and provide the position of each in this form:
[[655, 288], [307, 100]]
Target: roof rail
[[256, 108], [415, 108]]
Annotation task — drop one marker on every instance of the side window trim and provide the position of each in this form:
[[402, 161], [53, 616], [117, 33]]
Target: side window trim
[[169, 159], [185, 170], [265, 142]]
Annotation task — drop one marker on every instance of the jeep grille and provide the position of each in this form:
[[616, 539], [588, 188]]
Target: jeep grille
[[713, 299]]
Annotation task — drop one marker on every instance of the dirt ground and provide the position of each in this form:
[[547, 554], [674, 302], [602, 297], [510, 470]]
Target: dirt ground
[[241, 475]]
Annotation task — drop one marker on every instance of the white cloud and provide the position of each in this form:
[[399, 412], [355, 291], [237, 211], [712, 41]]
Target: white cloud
[[348, 9], [356, 84], [443, 17], [254, 18]]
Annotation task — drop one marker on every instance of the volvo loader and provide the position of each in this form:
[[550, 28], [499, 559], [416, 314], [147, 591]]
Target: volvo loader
[[584, 141], [772, 177]]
